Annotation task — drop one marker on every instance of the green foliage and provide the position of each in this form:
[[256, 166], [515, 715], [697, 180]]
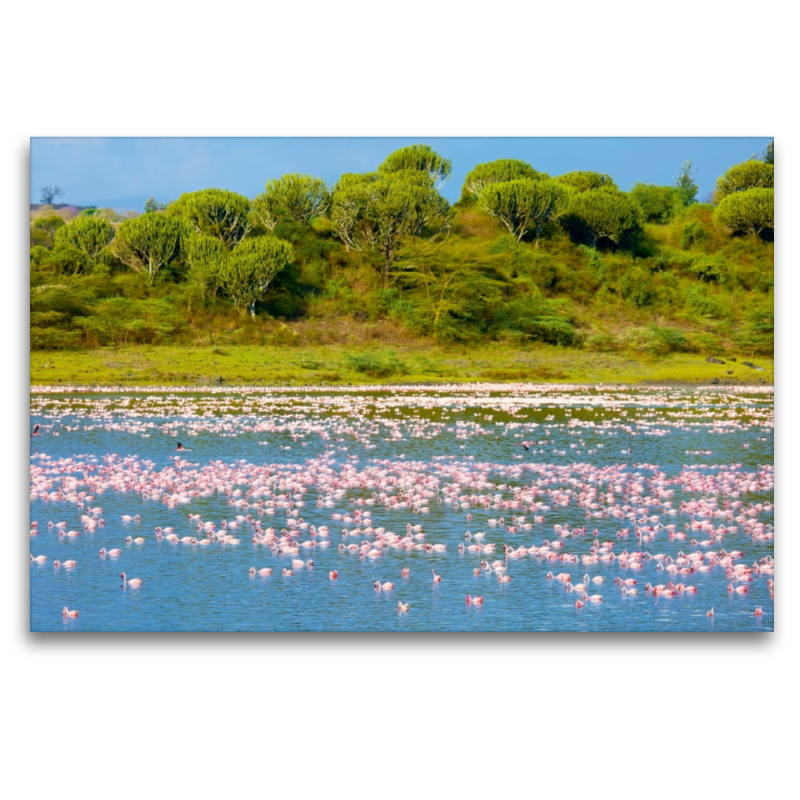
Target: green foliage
[[214, 212], [750, 174], [418, 158], [204, 257], [768, 156], [601, 214], [375, 211], [751, 211], [693, 233], [653, 340], [685, 184], [659, 204], [524, 206], [151, 205], [249, 269], [587, 181], [87, 235], [709, 268], [500, 171], [377, 364], [299, 197], [148, 243], [48, 226]]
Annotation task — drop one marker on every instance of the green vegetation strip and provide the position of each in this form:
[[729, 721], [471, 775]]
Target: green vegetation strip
[[336, 365]]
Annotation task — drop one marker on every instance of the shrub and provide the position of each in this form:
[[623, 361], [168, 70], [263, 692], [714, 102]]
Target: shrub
[[377, 364], [659, 204]]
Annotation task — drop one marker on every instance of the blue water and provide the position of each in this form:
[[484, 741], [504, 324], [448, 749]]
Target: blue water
[[308, 446]]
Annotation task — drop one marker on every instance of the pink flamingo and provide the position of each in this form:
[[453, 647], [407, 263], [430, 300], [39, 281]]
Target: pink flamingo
[[67, 614], [134, 583], [403, 607], [333, 574], [436, 577], [710, 613], [759, 612], [406, 572], [474, 601]]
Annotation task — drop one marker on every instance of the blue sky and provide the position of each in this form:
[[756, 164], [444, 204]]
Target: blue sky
[[122, 173]]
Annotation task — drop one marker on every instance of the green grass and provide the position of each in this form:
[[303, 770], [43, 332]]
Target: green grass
[[339, 365]]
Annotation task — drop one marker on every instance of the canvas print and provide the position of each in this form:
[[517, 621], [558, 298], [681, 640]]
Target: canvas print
[[402, 384]]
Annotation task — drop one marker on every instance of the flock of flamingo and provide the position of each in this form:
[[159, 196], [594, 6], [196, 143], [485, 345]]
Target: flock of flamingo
[[625, 517]]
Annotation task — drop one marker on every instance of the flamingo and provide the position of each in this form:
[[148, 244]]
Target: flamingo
[[333, 574], [710, 613], [383, 587], [474, 601], [134, 583], [436, 577], [402, 607], [67, 614], [39, 559], [759, 612], [405, 572]]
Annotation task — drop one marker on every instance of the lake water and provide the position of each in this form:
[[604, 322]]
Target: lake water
[[673, 486]]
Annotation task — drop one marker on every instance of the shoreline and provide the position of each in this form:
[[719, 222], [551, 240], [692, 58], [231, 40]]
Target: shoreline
[[333, 366]]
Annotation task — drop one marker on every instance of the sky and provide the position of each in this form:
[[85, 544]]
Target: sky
[[121, 173]]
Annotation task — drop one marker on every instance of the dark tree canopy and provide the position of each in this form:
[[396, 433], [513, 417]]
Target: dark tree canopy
[[49, 194]]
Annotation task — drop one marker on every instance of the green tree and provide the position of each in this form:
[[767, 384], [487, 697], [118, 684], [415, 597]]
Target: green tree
[[751, 211], [376, 210], [151, 205], [600, 214], [524, 206], [451, 284], [250, 267], [685, 184], [586, 181], [768, 156], [148, 243], [659, 204], [500, 171], [205, 257], [299, 197], [87, 234], [48, 227], [214, 212], [750, 174], [418, 158]]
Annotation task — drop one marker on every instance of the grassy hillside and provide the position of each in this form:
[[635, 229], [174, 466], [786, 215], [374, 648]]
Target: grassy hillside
[[472, 304]]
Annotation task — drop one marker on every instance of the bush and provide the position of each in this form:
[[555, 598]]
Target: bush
[[659, 204], [377, 364]]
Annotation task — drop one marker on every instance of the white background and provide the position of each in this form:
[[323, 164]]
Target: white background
[[389, 716]]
